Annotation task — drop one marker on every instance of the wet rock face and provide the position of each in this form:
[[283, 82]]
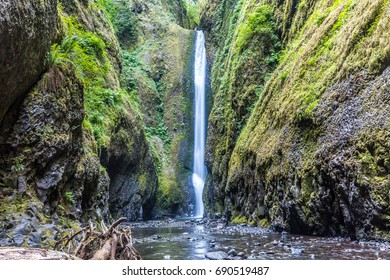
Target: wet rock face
[[313, 161], [342, 187], [41, 151], [133, 178], [27, 30]]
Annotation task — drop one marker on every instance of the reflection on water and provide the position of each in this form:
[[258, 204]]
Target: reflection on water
[[192, 242]]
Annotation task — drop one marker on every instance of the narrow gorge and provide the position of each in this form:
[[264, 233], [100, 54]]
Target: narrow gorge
[[261, 116]]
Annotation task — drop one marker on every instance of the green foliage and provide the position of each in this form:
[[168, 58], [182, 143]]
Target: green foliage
[[264, 223], [123, 20], [18, 166], [129, 65], [192, 8], [160, 129], [239, 220], [260, 23], [69, 198], [102, 105], [86, 52], [169, 196], [61, 54]]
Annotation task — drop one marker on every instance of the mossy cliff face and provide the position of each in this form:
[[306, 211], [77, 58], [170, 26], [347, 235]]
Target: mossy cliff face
[[27, 30], [312, 156], [76, 141], [157, 69]]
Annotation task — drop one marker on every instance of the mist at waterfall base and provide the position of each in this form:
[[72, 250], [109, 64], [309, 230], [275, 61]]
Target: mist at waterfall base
[[199, 168]]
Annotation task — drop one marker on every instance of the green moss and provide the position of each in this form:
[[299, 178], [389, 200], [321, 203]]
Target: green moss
[[17, 206], [260, 23], [87, 53], [142, 180], [264, 223], [239, 220], [170, 195]]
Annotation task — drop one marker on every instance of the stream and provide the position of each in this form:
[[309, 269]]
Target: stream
[[193, 239]]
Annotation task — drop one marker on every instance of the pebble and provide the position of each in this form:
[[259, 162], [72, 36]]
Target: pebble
[[220, 226], [218, 255], [18, 239], [232, 252], [297, 251], [34, 240]]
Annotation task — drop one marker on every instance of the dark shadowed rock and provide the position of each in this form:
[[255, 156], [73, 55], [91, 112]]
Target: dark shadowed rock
[[133, 185], [27, 30]]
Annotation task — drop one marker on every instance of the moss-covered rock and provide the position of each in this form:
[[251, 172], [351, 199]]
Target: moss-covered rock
[[133, 185], [157, 70], [42, 158], [303, 157], [75, 147]]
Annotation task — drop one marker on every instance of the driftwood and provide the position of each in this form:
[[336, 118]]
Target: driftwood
[[14, 253], [107, 243]]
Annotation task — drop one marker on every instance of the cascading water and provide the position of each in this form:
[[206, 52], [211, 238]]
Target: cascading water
[[199, 175]]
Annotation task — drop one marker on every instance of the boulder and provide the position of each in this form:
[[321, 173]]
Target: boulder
[[217, 255]]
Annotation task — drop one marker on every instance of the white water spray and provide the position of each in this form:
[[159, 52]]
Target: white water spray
[[199, 175]]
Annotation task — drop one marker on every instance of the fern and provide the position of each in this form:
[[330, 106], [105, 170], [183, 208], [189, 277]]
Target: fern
[[69, 198]]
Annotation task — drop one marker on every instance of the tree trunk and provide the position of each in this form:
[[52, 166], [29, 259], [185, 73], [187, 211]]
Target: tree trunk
[[14, 253]]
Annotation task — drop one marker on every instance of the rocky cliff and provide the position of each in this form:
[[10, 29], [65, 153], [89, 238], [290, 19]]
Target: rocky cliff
[[74, 144], [27, 31], [79, 138], [159, 62], [299, 131]]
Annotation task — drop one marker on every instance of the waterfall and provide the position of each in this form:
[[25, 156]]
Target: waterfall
[[199, 175]]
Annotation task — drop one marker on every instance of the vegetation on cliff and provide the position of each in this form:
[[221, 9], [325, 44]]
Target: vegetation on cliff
[[88, 139], [98, 122], [300, 158]]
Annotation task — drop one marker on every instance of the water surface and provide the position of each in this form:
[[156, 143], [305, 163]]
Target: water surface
[[186, 240]]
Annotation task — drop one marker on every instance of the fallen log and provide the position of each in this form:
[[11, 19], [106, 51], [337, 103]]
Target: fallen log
[[15, 253]]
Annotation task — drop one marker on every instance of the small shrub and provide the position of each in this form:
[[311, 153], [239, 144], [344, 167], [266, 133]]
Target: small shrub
[[69, 198]]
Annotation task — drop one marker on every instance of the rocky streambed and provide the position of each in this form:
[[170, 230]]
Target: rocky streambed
[[213, 239]]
